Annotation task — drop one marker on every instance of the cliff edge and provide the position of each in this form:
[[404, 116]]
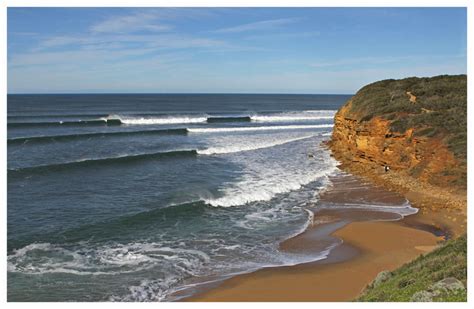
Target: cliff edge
[[417, 127]]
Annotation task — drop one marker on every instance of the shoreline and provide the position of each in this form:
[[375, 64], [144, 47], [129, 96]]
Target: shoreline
[[332, 279], [368, 248]]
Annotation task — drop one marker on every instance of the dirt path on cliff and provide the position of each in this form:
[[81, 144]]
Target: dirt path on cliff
[[411, 97]]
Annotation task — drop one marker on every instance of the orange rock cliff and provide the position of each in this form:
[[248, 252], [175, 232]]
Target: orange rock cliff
[[374, 142]]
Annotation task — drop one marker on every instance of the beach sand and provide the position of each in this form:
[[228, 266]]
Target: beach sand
[[368, 248]]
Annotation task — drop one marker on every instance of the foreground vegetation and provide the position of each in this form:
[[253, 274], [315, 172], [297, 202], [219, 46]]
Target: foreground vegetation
[[422, 279]]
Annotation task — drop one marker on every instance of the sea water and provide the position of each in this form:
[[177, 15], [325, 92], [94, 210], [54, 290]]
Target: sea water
[[135, 197]]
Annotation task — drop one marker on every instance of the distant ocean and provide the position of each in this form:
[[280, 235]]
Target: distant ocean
[[135, 197]]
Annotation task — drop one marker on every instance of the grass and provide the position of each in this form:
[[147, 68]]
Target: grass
[[450, 260]]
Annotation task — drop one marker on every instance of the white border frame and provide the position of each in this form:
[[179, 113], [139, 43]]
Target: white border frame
[[230, 3]]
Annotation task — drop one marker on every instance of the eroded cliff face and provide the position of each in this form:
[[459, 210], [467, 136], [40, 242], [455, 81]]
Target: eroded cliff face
[[373, 143]]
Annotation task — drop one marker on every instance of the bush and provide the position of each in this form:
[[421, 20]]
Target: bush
[[418, 279]]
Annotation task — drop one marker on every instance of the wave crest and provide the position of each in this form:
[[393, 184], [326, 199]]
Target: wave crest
[[251, 191], [249, 147], [263, 128], [162, 120]]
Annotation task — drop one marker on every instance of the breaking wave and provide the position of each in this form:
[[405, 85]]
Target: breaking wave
[[249, 147], [263, 128], [161, 120], [264, 189]]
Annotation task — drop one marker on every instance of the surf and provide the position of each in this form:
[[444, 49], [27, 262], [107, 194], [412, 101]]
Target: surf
[[103, 161], [262, 128], [70, 137], [160, 120], [288, 118], [249, 147], [92, 122]]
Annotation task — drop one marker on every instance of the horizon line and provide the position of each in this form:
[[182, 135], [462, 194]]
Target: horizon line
[[177, 93]]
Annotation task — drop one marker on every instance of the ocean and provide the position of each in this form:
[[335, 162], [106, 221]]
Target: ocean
[[135, 197]]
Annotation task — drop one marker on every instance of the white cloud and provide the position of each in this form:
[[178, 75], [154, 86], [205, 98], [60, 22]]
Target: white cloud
[[351, 61], [171, 74], [258, 26], [168, 40], [377, 60], [130, 23], [66, 40], [83, 57]]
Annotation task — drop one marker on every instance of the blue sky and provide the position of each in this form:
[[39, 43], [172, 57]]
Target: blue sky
[[237, 50]]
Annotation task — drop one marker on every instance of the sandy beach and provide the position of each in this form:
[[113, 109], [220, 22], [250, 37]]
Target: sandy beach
[[370, 248], [370, 245]]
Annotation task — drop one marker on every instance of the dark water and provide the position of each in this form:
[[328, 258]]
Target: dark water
[[134, 197]]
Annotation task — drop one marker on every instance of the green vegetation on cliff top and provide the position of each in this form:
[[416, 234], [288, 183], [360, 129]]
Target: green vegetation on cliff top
[[422, 275], [440, 108]]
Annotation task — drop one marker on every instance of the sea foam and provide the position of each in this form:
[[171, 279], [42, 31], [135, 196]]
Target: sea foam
[[162, 120], [248, 147], [262, 128], [289, 118], [266, 188]]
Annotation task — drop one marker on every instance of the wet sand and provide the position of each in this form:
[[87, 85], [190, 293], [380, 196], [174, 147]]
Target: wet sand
[[369, 248], [370, 245]]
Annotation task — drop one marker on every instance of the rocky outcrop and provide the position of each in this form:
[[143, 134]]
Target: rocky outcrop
[[373, 142], [444, 288]]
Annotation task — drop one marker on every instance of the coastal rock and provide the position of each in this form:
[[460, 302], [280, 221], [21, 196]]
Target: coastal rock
[[445, 286], [422, 296], [381, 277], [373, 142], [448, 285], [382, 126]]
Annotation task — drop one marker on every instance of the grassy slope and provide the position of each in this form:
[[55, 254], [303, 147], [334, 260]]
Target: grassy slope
[[450, 260], [440, 109]]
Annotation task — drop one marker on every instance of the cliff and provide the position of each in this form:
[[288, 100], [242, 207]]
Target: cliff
[[416, 126]]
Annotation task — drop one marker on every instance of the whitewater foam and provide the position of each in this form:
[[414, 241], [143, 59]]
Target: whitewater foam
[[248, 147], [263, 128], [403, 210], [266, 188], [288, 118], [161, 120], [41, 258], [280, 117]]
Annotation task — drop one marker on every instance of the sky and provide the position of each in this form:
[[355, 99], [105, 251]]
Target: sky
[[229, 50]]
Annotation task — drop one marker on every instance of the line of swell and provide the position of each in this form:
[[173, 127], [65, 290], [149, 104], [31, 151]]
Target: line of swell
[[92, 122], [69, 137], [118, 120], [57, 116], [263, 128], [243, 148], [178, 131], [289, 118], [102, 161]]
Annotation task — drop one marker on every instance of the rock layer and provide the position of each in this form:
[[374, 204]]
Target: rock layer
[[373, 142]]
